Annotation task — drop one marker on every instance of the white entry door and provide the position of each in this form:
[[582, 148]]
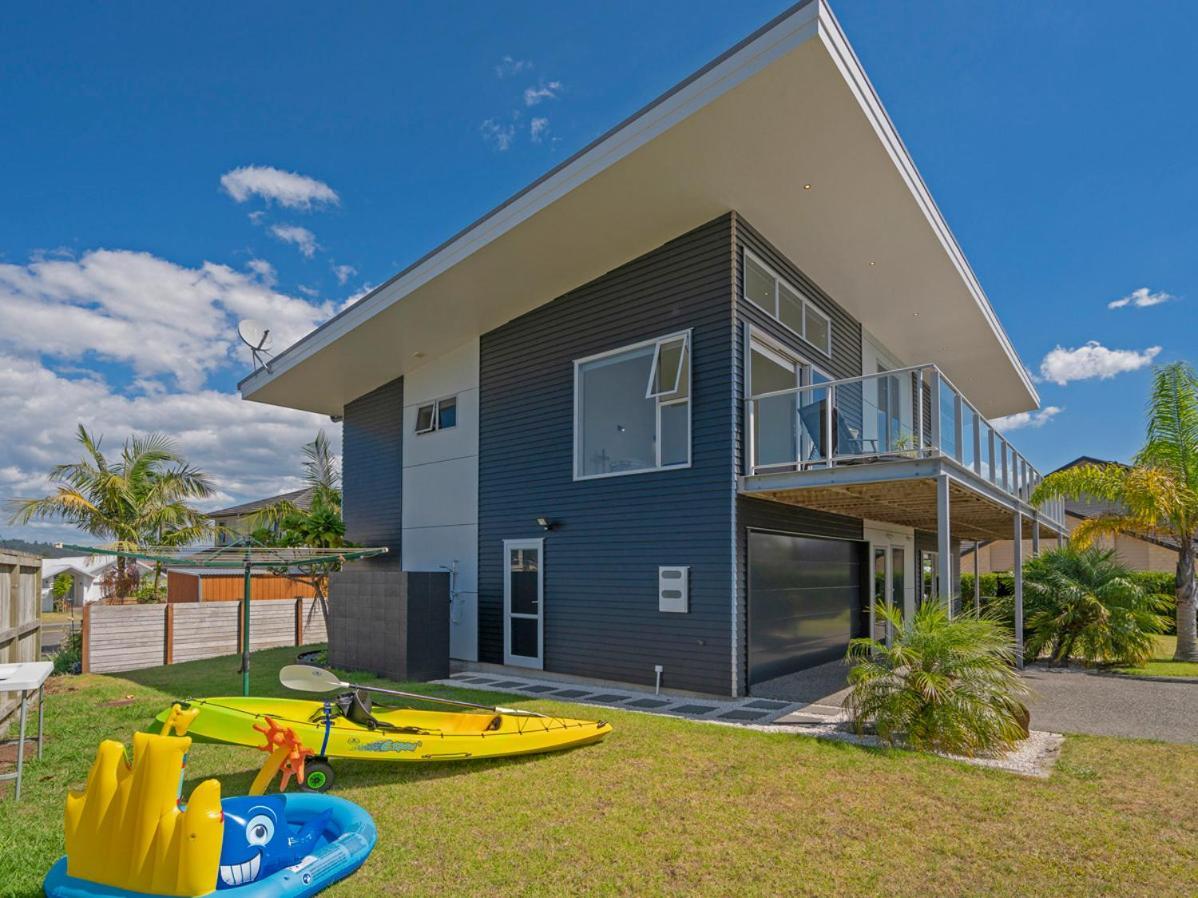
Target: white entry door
[[523, 602]]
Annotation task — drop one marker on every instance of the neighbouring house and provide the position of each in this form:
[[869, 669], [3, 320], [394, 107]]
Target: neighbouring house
[[87, 577], [1140, 552], [689, 403], [228, 585], [238, 521]]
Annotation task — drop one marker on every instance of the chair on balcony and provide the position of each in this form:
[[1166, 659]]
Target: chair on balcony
[[846, 442]]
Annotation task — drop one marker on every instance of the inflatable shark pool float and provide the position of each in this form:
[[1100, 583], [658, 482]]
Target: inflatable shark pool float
[[258, 841]]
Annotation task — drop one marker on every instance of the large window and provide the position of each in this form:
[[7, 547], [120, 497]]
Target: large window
[[786, 303], [632, 409]]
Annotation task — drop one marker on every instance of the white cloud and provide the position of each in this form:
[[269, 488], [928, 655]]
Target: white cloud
[[264, 270], [545, 91], [163, 320], [344, 273], [304, 240], [290, 189], [250, 450], [1093, 360], [509, 66], [1026, 419], [1142, 298], [537, 129], [500, 136]]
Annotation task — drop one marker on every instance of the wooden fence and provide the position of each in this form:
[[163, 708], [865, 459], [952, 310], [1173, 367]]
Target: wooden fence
[[20, 615], [129, 637]]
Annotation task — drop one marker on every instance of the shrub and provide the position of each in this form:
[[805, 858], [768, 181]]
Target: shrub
[[146, 594], [942, 684], [69, 658], [1084, 603]]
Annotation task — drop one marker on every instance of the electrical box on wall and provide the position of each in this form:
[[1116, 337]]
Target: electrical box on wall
[[673, 589]]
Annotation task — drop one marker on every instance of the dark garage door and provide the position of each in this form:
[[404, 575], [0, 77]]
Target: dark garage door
[[804, 602]]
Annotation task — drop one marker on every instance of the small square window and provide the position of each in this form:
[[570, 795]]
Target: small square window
[[447, 413], [426, 420]]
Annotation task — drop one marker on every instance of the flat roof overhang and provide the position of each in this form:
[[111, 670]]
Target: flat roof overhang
[[904, 493], [787, 107]]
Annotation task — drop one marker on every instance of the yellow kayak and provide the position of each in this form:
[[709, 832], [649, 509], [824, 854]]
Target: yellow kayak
[[333, 730]]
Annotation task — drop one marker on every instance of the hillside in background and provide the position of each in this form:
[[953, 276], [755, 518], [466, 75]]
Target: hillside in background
[[45, 550]]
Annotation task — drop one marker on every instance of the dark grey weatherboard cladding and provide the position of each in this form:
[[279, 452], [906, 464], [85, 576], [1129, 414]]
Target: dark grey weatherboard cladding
[[601, 559], [845, 362], [372, 461]]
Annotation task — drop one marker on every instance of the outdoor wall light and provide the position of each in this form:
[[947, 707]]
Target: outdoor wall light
[[545, 523]]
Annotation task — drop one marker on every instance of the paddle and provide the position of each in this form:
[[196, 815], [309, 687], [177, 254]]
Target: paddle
[[305, 678]]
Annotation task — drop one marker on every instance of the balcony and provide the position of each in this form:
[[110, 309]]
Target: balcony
[[903, 446]]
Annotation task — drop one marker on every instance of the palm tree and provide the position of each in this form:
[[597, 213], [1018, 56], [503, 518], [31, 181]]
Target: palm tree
[[1084, 603], [939, 684], [139, 499], [1157, 493], [319, 525]]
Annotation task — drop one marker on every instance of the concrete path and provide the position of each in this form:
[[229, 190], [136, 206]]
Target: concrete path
[[1075, 701], [1062, 701]]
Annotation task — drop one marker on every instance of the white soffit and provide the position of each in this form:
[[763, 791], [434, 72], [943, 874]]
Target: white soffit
[[789, 106]]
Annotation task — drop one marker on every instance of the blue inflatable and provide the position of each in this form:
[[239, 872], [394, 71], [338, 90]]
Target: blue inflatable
[[273, 846]]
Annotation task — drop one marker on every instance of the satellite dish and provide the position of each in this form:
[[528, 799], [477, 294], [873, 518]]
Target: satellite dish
[[257, 337]]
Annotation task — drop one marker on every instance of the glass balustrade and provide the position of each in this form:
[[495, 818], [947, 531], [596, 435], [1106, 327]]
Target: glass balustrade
[[905, 414]]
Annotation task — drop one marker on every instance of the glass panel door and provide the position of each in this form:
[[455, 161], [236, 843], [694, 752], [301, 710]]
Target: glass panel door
[[774, 437], [523, 603]]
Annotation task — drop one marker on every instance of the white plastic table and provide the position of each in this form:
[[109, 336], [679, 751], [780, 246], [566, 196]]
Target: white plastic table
[[25, 677]]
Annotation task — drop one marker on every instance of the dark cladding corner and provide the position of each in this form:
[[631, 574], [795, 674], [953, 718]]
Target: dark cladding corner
[[389, 622]]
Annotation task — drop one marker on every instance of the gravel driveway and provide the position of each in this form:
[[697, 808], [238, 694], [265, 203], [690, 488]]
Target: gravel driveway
[[1074, 701]]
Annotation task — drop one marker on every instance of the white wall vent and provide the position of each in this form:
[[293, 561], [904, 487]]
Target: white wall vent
[[673, 589]]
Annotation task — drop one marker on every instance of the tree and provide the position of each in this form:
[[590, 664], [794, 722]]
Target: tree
[[940, 684], [139, 499], [1084, 603], [61, 589], [319, 525], [1156, 494]]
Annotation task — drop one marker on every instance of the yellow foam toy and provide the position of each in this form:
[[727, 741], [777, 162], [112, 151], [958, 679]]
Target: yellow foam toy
[[126, 829]]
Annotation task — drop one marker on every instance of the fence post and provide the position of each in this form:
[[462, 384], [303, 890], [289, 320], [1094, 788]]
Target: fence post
[[85, 661], [168, 639], [299, 621]]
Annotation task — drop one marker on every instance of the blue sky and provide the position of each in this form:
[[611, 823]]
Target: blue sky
[[1058, 140]]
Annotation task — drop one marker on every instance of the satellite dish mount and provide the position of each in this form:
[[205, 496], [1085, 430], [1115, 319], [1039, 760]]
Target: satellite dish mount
[[257, 337]]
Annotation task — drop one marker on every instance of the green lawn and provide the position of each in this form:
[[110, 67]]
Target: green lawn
[[1162, 663], [668, 806]]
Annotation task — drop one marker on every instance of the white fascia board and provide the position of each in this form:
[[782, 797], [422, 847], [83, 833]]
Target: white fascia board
[[846, 60]]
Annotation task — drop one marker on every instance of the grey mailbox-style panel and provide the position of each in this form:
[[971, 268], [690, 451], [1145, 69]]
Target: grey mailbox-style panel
[[673, 589]]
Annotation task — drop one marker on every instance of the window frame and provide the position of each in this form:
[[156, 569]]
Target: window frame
[[808, 305], [435, 422], [672, 399]]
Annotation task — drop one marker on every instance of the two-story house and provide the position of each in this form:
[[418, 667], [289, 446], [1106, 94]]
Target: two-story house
[[692, 400]]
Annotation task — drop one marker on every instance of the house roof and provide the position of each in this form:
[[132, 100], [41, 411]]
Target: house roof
[[300, 498], [786, 129], [90, 566]]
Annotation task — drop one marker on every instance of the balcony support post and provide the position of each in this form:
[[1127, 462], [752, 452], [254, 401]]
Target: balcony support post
[[919, 413], [829, 419], [944, 558], [1017, 566], [977, 577], [1035, 535], [934, 395]]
